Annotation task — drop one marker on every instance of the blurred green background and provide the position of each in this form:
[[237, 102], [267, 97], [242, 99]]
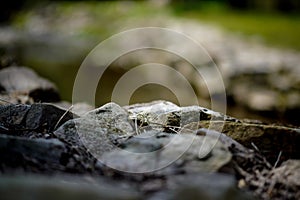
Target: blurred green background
[[53, 37]]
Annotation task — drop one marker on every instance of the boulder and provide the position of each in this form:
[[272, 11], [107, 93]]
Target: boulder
[[22, 81]]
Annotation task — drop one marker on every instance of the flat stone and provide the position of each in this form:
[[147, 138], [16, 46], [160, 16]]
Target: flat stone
[[150, 152]]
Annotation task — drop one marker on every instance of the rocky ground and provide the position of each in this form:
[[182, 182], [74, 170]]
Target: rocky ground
[[158, 150]]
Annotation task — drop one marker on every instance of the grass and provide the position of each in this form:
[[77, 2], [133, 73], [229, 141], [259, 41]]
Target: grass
[[275, 29]]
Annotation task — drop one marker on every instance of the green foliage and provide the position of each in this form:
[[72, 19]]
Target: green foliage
[[274, 28]]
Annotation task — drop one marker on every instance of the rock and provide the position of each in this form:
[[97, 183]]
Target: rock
[[150, 152], [112, 116], [270, 92], [269, 139], [29, 120], [64, 188], [44, 156], [27, 155], [160, 149], [201, 186], [16, 81], [97, 130], [169, 117]]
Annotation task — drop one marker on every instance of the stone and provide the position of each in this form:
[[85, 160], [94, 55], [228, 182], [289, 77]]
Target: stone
[[24, 81], [151, 152], [112, 116], [27, 155], [159, 149], [269, 139], [26, 120], [166, 116], [98, 130]]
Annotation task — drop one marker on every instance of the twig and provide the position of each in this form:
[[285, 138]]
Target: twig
[[136, 127], [277, 161], [173, 129], [70, 108], [255, 147]]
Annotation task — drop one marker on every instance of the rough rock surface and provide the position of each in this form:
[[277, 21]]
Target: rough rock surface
[[33, 121], [154, 150]]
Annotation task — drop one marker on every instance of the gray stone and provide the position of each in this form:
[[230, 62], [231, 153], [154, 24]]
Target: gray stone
[[24, 81], [98, 130], [150, 152], [166, 116]]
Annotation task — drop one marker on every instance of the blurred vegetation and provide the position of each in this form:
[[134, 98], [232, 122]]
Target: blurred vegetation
[[271, 21], [274, 21]]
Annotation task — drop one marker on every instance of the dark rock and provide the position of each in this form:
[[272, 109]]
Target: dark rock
[[44, 156], [27, 155], [26, 120]]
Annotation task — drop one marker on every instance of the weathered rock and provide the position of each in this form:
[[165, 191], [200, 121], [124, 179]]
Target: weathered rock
[[112, 116], [16, 81], [36, 120], [64, 188], [169, 117], [270, 139], [98, 130]]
